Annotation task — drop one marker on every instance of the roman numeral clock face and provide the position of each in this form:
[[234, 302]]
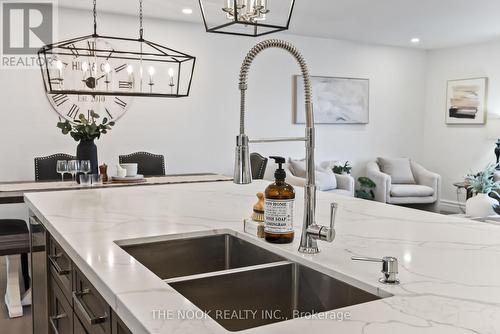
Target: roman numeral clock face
[[82, 70]]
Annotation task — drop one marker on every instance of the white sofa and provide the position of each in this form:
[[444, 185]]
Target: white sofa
[[345, 183], [426, 189]]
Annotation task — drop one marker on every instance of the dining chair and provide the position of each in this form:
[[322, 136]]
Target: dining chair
[[148, 164], [45, 167], [258, 165], [15, 246]]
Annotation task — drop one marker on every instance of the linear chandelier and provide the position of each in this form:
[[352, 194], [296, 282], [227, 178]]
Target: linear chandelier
[[246, 17], [117, 66]]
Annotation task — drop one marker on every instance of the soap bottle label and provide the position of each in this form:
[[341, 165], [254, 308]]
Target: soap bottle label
[[278, 216]]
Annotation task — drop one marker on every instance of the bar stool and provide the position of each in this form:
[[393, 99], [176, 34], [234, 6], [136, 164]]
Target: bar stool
[[14, 244]]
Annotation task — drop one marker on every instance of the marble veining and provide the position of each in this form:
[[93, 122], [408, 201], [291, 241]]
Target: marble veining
[[449, 267]]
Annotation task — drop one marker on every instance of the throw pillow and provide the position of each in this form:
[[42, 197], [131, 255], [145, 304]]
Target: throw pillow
[[398, 168]]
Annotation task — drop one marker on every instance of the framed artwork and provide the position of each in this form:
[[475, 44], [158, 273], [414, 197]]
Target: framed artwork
[[335, 100], [466, 101]]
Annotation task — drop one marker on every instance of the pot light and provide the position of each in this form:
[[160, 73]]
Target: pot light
[[187, 11], [415, 40]]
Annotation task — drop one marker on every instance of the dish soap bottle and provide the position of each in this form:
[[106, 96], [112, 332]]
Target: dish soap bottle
[[278, 208]]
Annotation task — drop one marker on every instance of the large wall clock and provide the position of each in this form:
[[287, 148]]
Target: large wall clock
[[83, 69]]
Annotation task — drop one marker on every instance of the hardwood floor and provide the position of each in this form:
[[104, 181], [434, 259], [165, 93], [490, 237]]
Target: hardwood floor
[[21, 325]]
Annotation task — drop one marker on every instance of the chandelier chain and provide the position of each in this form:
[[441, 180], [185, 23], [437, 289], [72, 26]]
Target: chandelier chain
[[141, 17], [94, 13]]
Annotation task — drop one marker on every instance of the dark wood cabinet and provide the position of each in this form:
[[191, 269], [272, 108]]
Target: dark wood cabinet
[[61, 268], [92, 310], [39, 276], [78, 327], [64, 300], [60, 311], [117, 325]]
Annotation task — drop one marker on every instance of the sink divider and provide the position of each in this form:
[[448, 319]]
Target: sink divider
[[232, 271]]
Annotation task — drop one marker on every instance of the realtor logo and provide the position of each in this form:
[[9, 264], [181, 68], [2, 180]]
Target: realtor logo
[[26, 27]]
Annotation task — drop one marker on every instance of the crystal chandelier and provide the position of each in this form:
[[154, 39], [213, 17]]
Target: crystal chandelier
[[98, 65], [246, 17]]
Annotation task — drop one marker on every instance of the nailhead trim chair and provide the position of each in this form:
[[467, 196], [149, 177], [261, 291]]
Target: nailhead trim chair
[[45, 167], [258, 165], [149, 164]]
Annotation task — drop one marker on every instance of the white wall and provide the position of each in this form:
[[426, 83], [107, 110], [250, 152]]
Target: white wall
[[198, 133], [454, 150]]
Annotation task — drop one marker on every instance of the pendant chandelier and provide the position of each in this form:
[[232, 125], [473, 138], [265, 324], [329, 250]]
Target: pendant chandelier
[[246, 17], [116, 66]]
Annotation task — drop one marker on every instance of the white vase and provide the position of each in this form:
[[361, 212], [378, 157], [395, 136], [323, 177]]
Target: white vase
[[480, 205]]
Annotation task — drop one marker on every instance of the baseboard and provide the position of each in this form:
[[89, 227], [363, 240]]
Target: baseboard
[[451, 206]]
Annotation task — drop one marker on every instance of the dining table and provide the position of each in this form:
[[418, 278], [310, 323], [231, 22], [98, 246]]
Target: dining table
[[13, 191]]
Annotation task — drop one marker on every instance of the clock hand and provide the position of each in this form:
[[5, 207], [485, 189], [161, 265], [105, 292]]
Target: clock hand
[[96, 79]]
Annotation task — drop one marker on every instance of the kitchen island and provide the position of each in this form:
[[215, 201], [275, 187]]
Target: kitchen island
[[448, 266]]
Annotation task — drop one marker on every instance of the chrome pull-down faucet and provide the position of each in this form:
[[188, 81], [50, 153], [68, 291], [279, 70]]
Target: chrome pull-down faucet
[[242, 172]]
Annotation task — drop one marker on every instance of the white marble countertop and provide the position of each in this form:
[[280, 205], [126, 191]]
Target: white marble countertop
[[449, 266]]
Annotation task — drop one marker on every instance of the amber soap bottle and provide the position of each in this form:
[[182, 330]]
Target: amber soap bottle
[[278, 207]]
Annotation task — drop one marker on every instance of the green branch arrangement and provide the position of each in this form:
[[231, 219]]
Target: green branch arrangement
[[339, 169], [366, 186], [482, 182], [84, 129]]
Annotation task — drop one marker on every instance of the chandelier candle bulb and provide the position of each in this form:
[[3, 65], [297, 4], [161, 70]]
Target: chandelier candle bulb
[[107, 69], [151, 72], [85, 68], [59, 66], [130, 72], [171, 73]]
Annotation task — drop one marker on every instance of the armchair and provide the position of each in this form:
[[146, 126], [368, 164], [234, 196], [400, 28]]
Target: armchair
[[425, 190]]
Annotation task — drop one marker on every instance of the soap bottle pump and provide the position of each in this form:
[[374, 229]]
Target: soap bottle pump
[[278, 208]]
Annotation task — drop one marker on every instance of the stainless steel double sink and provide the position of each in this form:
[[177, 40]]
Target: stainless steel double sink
[[239, 284]]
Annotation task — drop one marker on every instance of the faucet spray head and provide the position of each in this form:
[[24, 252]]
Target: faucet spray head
[[242, 170]]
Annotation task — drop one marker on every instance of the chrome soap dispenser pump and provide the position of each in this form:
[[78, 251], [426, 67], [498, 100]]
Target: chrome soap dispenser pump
[[311, 232]]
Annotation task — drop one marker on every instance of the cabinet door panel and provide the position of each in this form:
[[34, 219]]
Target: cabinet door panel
[[78, 328], [60, 313], [117, 325], [39, 276], [61, 268], [90, 307]]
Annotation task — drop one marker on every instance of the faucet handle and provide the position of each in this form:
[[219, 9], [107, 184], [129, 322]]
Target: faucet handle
[[389, 267], [328, 233], [325, 233]]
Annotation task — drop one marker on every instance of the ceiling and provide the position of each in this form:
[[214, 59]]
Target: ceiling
[[438, 23]]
